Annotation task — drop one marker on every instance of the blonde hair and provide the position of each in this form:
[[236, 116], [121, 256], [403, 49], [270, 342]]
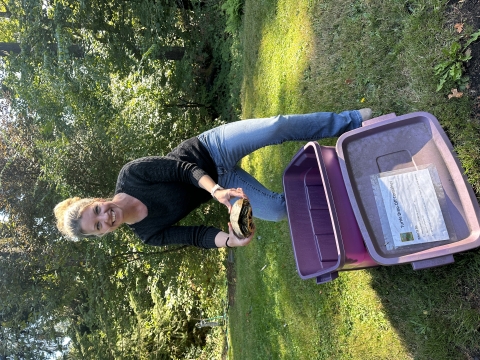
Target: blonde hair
[[69, 213]]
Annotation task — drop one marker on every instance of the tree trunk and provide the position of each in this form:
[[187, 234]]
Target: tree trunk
[[171, 53], [7, 48], [188, 5], [166, 52], [5, 14]]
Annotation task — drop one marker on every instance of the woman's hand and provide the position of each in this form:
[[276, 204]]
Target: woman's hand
[[224, 195], [233, 241]]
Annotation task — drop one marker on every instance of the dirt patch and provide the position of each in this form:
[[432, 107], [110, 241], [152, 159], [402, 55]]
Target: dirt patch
[[467, 12]]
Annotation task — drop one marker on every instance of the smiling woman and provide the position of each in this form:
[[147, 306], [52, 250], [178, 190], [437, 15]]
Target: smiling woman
[[69, 214], [154, 193], [102, 217]]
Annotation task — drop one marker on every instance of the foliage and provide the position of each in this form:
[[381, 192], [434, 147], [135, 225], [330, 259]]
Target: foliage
[[70, 123], [234, 12], [8, 30], [453, 68]]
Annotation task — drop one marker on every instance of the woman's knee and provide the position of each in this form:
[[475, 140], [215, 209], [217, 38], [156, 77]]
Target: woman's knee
[[275, 212], [279, 216]]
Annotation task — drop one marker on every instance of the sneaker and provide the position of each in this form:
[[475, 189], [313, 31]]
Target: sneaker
[[365, 113]]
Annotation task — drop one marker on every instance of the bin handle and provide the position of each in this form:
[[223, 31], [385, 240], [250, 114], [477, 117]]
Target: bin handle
[[429, 263], [324, 278]]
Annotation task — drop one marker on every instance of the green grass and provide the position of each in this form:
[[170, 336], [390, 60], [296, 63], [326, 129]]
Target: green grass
[[303, 56]]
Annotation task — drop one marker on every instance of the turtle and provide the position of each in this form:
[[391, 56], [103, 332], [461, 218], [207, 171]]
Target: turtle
[[241, 218]]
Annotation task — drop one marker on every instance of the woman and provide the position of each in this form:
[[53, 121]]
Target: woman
[[154, 193]]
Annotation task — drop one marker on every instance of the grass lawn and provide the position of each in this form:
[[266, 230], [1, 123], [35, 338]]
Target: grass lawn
[[304, 56]]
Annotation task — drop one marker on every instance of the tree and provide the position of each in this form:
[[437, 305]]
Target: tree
[[4, 10], [8, 27], [165, 53], [74, 122]]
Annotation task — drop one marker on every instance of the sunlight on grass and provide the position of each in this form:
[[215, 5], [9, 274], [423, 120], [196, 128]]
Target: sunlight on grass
[[296, 318], [278, 315], [336, 55], [370, 330], [285, 40]]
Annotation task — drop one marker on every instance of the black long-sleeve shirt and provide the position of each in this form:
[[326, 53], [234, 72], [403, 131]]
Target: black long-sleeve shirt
[[168, 186]]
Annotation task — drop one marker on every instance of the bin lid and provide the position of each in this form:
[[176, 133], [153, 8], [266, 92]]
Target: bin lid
[[309, 200], [320, 215], [389, 151]]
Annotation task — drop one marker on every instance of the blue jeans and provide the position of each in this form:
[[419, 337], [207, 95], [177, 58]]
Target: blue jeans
[[229, 143]]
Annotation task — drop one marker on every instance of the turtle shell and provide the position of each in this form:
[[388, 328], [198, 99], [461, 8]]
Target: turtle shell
[[241, 218]]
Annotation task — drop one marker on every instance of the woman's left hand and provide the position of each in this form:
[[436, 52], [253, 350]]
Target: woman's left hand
[[224, 195], [233, 241]]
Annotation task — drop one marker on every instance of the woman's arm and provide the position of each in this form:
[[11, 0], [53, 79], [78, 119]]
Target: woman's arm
[[222, 238], [157, 169], [161, 169], [206, 237], [199, 236]]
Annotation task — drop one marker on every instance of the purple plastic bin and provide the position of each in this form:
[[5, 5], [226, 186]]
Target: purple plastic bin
[[401, 142], [333, 217], [323, 242]]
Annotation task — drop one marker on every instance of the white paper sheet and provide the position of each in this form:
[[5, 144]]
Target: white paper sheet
[[412, 208]]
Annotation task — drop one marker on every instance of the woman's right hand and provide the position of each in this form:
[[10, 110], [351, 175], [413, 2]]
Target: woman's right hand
[[224, 195]]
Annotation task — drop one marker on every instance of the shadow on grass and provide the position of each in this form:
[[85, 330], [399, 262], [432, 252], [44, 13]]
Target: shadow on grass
[[388, 66], [379, 55], [436, 311]]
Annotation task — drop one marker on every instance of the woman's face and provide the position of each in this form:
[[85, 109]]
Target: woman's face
[[101, 217]]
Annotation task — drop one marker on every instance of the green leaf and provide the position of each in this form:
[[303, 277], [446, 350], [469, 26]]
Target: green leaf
[[442, 82], [474, 37], [454, 49], [440, 68], [456, 71]]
